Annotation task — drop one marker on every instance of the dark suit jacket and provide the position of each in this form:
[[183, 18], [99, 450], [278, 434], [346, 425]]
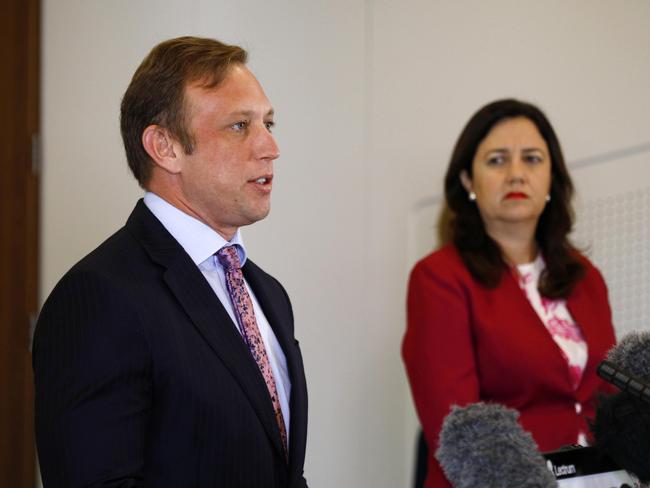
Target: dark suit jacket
[[466, 343], [143, 380]]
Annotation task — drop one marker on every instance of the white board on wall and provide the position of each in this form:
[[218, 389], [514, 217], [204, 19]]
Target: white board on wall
[[613, 227]]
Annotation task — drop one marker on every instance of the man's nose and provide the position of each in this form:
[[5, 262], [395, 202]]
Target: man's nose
[[267, 147]]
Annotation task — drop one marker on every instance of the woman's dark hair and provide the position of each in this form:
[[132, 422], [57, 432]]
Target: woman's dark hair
[[480, 253]]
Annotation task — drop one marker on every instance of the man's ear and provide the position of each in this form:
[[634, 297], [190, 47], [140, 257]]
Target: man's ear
[[159, 144], [466, 181]]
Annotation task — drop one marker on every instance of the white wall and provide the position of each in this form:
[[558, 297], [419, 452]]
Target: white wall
[[434, 63], [370, 96]]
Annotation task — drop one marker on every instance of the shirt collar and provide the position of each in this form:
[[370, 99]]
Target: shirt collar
[[196, 238], [536, 266]]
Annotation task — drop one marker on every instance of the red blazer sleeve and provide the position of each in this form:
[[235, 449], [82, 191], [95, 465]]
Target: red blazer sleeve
[[438, 349]]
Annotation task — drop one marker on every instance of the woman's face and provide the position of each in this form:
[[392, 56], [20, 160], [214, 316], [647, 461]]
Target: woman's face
[[511, 174]]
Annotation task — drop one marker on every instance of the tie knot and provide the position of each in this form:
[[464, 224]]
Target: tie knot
[[228, 258]]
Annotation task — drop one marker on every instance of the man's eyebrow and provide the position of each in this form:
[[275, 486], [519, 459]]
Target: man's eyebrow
[[250, 113]]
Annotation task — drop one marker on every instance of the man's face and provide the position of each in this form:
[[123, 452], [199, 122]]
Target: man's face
[[226, 181]]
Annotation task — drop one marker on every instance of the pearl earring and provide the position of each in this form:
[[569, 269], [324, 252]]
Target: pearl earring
[[471, 196], [548, 197]]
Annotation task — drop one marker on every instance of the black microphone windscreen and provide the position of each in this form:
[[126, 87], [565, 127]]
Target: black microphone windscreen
[[622, 425], [484, 445], [622, 430]]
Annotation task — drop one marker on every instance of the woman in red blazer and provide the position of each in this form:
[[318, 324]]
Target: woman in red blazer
[[508, 311]]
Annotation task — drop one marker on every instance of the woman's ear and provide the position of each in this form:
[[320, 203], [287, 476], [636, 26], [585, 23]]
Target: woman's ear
[[159, 144], [466, 181]]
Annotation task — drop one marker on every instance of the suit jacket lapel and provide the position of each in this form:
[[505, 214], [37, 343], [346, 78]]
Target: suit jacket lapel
[[205, 311], [281, 322], [280, 328]]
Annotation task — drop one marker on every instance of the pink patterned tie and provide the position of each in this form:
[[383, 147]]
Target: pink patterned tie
[[241, 301]]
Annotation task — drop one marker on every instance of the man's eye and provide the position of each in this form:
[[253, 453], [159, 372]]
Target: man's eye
[[240, 125], [269, 125]]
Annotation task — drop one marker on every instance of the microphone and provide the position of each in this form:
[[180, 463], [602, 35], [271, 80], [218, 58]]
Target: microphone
[[632, 353], [624, 381], [622, 425], [482, 444]]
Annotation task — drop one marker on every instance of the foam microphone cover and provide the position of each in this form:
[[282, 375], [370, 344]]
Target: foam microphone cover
[[632, 353], [622, 430], [622, 424], [483, 445]]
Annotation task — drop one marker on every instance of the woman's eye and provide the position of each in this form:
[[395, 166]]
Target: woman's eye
[[269, 125], [533, 158], [495, 160]]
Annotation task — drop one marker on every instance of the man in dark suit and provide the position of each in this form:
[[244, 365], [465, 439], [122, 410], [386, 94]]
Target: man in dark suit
[[166, 357]]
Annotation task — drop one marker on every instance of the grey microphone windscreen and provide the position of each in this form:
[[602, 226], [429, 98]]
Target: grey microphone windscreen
[[632, 353], [483, 445]]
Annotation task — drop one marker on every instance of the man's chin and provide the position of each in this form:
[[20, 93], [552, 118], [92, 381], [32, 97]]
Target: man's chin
[[256, 215]]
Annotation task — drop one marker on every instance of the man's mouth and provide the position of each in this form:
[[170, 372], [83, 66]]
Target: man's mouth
[[262, 180]]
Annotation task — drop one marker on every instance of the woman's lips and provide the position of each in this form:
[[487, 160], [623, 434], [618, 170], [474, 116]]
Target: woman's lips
[[516, 195]]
